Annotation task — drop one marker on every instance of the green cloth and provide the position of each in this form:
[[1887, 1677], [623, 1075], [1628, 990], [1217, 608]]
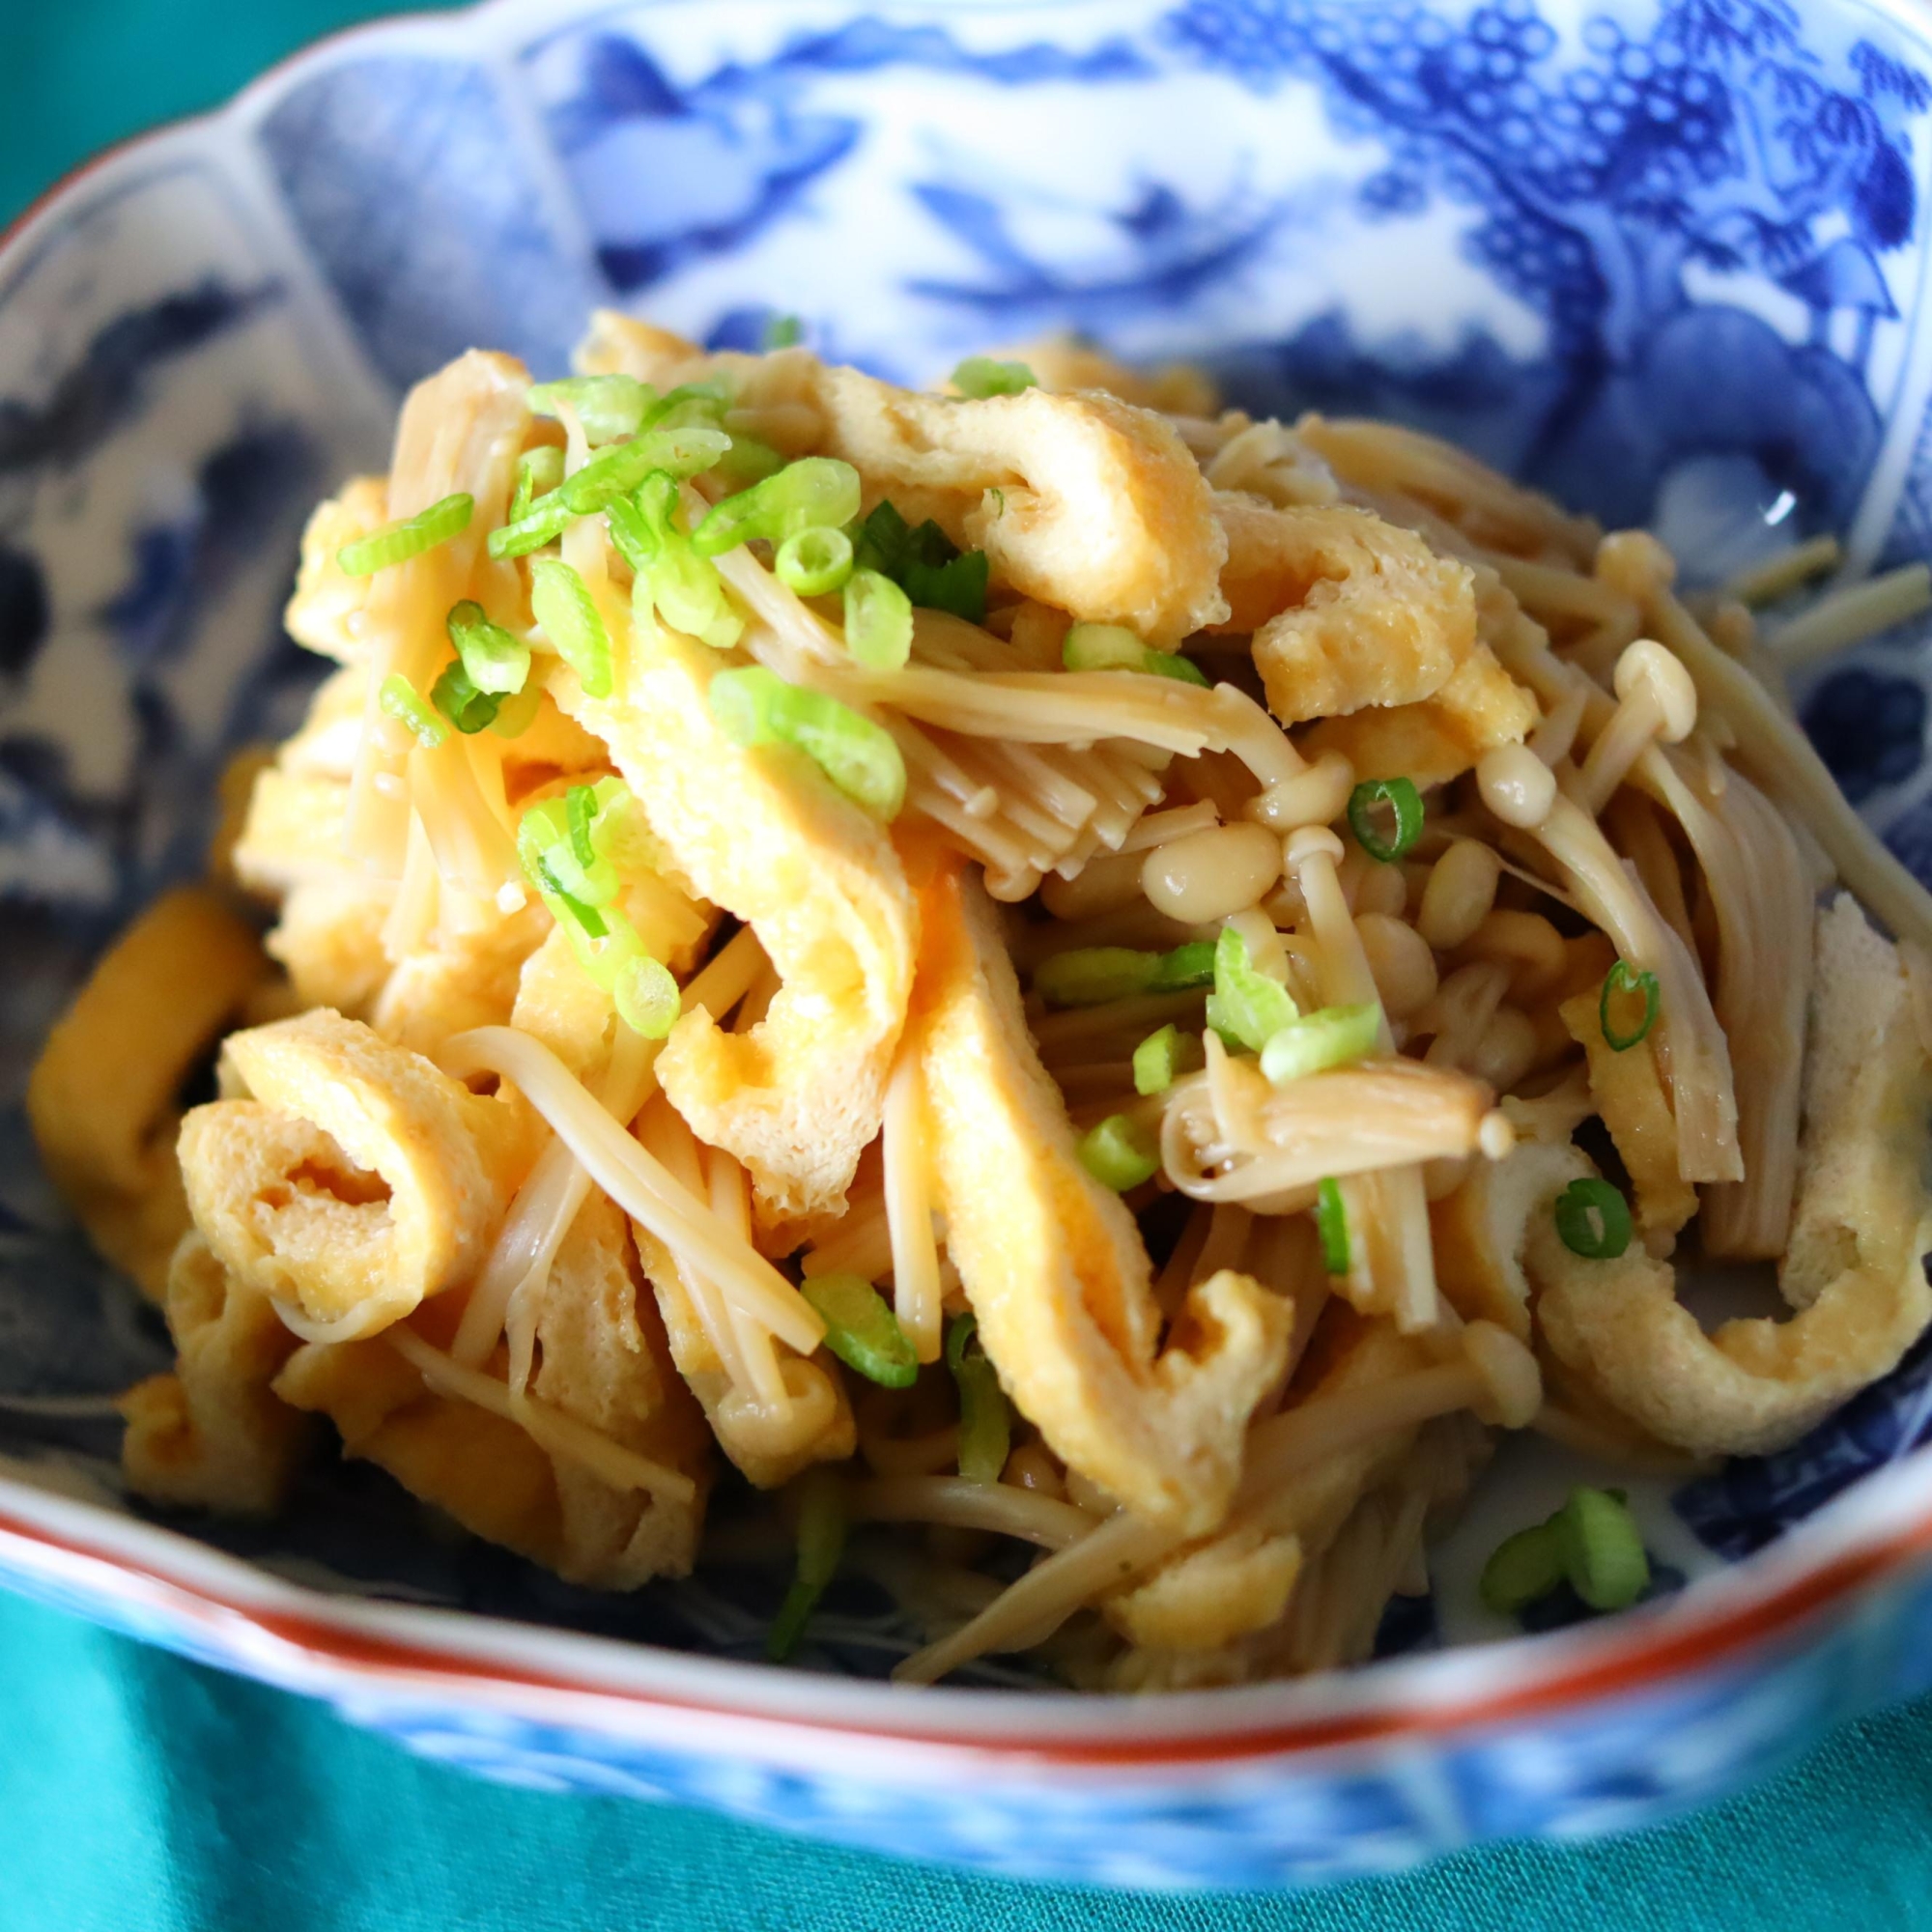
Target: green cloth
[[142, 1793]]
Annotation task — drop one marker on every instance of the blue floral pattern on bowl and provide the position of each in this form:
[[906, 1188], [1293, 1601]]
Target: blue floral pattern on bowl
[[1666, 260]]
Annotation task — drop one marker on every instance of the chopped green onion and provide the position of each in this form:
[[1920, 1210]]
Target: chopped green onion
[[690, 404], [814, 561], [878, 621], [1246, 1007], [454, 693], [860, 1331], [1592, 1219], [646, 995], [539, 471], [1523, 1569], [1621, 979], [398, 542], [587, 918], [980, 376], [516, 713], [672, 579], [1603, 1549], [1118, 1154], [619, 469], [926, 563], [1171, 663], [401, 701], [748, 461], [495, 660], [814, 490], [541, 524], [579, 804], [821, 1542], [1330, 1036], [1403, 798], [985, 1423], [1162, 1057], [564, 606], [1190, 964], [1091, 975], [781, 331], [607, 406], [755, 706], [1115, 647], [1331, 1223]]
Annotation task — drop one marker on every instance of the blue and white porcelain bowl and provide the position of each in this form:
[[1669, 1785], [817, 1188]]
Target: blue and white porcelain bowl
[[1668, 258]]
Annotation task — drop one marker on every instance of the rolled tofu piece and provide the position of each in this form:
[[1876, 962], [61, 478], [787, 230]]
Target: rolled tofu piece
[[210, 1433], [604, 1365], [762, 833], [1085, 501], [1854, 1268], [100, 1100], [1052, 1262], [357, 1179]]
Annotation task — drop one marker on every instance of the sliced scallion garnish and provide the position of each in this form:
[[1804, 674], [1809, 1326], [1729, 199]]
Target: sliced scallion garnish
[[926, 563], [814, 561], [755, 706], [401, 701], [1592, 1219], [606, 406], [878, 621], [1162, 1057], [455, 696], [1331, 1225], [398, 542], [815, 489], [564, 606], [1115, 647], [1403, 798], [1246, 1007], [860, 1331], [1620, 982], [821, 1542], [985, 1423], [1329, 1036], [1119, 1153], [495, 660], [980, 376]]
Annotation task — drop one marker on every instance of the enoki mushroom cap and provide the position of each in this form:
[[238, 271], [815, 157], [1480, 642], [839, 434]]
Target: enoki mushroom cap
[[1647, 668], [1516, 786]]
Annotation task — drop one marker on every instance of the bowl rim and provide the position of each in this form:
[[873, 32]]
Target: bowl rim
[[345, 1647]]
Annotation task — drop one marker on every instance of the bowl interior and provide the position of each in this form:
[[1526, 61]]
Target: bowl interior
[[1667, 261]]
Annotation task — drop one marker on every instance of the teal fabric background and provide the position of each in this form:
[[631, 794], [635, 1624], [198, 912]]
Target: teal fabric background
[[141, 1794]]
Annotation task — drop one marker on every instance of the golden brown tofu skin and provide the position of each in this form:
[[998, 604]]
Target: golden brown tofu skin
[[209, 1433], [1855, 1265], [603, 1364], [102, 1095], [763, 834], [1083, 502], [1052, 1262], [358, 1179]]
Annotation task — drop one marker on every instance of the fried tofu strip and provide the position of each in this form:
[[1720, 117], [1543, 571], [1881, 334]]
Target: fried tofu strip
[[1853, 1267], [210, 1433], [605, 1369], [1359, 624], [1083, 502], [358, 1179], [102, 1095], [1051, 1261], [761, 833]]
